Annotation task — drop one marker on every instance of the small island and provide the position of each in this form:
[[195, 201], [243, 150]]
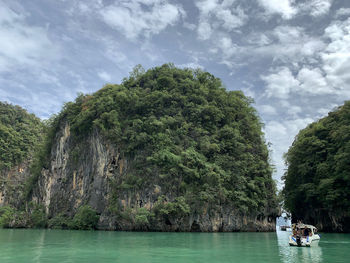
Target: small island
[[317, 182], [166, 150]]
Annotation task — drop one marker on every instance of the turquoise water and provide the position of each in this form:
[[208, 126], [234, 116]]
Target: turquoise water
[[23, 245]]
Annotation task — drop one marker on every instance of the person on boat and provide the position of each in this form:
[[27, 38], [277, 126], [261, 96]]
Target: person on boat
[[306, 232]]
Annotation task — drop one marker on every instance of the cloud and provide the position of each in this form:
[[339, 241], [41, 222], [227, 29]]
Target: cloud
[[281, 134], [227, 47], [204, 30], [22, 45], [214, 15], [288, 9], [293, 43], [284, 44], [331, 76], [312, 81], [336, 56], [141, 18], [268, 109], [316, 7], [281, 83], [192, 65], [284, 8], [342, 12], [104, 76]]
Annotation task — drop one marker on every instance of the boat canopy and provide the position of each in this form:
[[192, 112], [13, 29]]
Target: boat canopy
[[301, 226]]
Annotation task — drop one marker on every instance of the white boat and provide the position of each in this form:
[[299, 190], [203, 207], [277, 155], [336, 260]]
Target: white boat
[[285, 228], [303, 235]]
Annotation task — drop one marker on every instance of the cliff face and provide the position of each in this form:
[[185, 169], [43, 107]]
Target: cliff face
[[95, 178], [12, 183]]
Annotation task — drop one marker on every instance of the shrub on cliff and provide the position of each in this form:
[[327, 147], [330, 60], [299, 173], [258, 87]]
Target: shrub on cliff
[[7, 215], [37, 217], [61, 221], [86, 218]]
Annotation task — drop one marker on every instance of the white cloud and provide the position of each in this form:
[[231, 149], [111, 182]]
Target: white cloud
[[215, 15], [227, 47], [139, 17], [258, 39], [342, 12], [288, 34], [280, 84], [22, 45], [104, 76], [268, 109], [294, 111], [316, 8], [294, 43], [284, 8], [313, 82], [286, 44], [192, 65], [336, 57], [189, 26], [204, 30], [325, 110], [281, 134], [331, 77]]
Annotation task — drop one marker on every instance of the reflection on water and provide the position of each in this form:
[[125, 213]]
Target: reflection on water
[[290, 254]]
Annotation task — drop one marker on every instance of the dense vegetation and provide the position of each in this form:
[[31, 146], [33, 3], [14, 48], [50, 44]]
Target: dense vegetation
[[85, 218], [185, 131], [20, 133], [317, 182]]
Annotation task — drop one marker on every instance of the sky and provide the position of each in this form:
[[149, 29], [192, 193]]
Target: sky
[[292, 57]]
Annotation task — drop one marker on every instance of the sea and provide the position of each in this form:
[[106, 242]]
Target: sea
[[44, 245]]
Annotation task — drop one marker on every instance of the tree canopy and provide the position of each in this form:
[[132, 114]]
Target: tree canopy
[[20, 133]]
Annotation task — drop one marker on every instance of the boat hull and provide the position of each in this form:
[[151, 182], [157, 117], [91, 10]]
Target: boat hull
[[304, 241]]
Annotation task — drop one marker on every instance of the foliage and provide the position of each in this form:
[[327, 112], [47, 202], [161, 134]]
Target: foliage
[[7, 215], [20, 133], [177, 209], [61, 221], [318, 175], [86, 218], [141, 217], [38, 218]]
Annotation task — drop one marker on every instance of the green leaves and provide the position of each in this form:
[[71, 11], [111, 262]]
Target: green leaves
[[20, 132], [86, 218]]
